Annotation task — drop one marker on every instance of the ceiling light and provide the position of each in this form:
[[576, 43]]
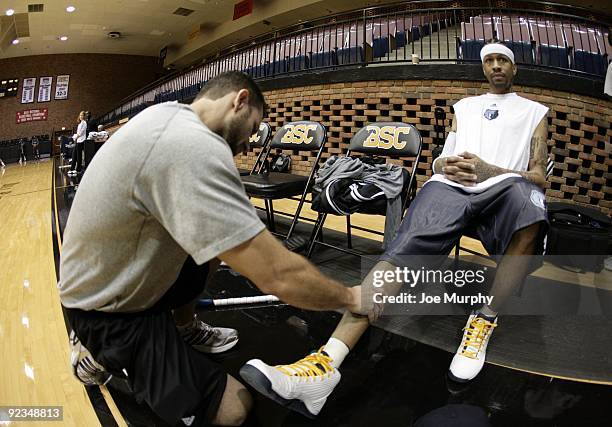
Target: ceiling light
[[70, 9], [63, 38], [10, 12]]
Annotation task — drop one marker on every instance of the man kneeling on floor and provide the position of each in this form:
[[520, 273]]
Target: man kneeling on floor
[[161, 203], [491, 173]]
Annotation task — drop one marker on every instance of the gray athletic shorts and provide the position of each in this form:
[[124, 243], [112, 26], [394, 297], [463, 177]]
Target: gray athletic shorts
[[440, 214]]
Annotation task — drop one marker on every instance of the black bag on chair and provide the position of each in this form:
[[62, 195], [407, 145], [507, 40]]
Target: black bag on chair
[[280, 163], [578, 230]]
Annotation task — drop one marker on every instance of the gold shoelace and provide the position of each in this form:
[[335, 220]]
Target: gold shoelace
[[312, 366], [476, 334]]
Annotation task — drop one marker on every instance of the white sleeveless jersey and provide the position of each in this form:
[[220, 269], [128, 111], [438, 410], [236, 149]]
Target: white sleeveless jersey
[[498, 129]]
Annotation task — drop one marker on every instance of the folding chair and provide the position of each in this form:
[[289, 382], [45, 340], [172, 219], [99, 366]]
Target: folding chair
[[384, 139], [258, 139], [302, 136]]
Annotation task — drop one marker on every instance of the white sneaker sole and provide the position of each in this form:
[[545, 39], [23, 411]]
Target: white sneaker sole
[[215, 350], [260, 382]]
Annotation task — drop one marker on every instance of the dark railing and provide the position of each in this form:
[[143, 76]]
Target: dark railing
[[378, 36]]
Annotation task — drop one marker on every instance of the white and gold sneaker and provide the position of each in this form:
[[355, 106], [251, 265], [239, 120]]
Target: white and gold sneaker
[[470, 356], [303, 386]]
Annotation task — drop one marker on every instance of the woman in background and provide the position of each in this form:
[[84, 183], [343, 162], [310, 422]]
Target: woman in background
[[79, 139]]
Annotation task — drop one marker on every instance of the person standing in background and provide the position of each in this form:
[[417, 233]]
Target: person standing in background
[[79, 139], [22, 156], [35, 151]]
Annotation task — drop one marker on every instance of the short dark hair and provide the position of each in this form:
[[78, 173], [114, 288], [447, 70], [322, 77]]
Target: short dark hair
[[230, 81]]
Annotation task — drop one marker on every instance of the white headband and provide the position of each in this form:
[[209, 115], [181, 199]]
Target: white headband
[[496, 48]]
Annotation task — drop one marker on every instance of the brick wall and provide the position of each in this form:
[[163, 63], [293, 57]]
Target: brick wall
[[580, 128], [97, 84]]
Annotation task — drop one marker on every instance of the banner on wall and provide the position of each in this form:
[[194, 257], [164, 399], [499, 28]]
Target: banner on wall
[[243, 8], [61, 87], [27, 95], [44, 89], [33, 115]]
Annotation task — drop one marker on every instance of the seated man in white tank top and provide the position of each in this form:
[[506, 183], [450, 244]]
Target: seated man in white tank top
[[490, 179]]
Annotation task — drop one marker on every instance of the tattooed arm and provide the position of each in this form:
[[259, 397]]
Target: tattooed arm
[[480, 171]]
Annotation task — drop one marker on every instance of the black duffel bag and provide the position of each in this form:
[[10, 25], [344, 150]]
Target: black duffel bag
[[579, 237]]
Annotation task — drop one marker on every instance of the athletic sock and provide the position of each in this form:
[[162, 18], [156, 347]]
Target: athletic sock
[[337, 350]]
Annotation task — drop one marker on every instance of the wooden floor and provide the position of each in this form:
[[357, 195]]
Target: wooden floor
[[34, 355]]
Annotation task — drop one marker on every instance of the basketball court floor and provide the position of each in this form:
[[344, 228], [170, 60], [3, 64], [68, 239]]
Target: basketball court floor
[[556, 371]]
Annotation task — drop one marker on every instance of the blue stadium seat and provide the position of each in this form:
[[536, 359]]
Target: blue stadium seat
[[589, 62], [380, 47], [553, 56], [350, 55], [297, 63], [276, 67], [523, 51], [425, 30], [323, 59], [400, 39], [416, 33], [470, 49], [194, 89], [257, 71]]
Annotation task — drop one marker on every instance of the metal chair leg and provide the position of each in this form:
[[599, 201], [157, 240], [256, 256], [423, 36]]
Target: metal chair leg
[[272, 223], [349, 237], [298, 211], [267, 212], [315, 233]]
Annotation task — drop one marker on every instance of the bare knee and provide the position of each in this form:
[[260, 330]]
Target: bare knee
[[235, 404]]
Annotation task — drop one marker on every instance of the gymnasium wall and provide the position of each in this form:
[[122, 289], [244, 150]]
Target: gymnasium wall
[[97, 83], [580, 127]]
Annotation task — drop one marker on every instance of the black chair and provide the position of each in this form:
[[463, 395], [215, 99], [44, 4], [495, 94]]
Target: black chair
[[398, 140], [302, 136], [258, 139]]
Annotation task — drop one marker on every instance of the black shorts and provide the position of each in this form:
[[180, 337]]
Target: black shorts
[[174, 379], [440, 214]]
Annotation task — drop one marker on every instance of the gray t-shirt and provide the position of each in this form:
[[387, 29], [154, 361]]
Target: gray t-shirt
[[162, 187]]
